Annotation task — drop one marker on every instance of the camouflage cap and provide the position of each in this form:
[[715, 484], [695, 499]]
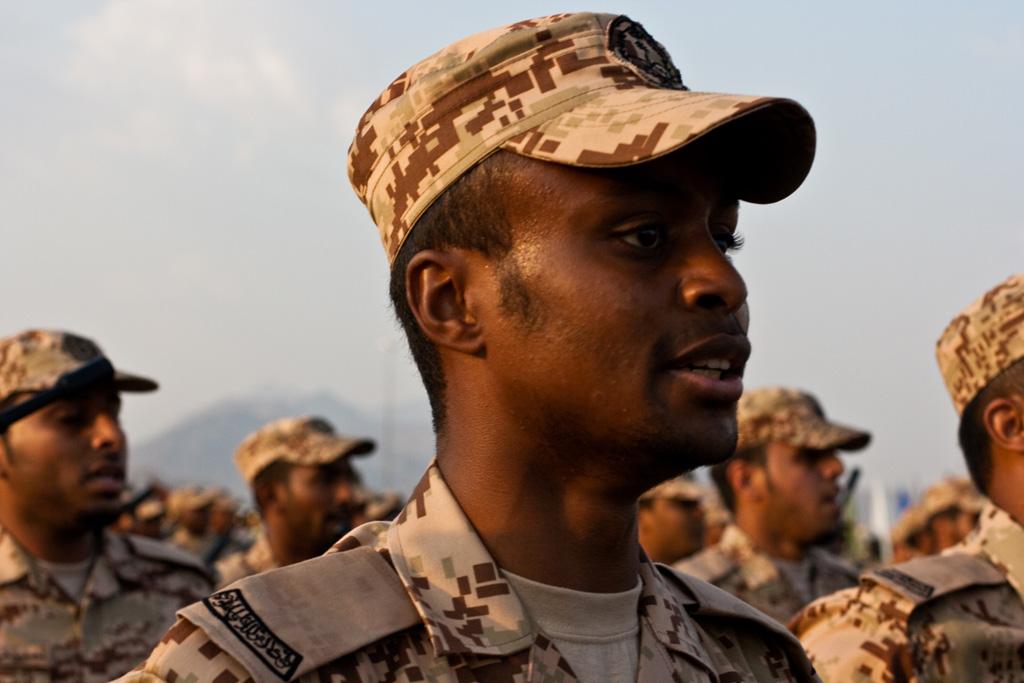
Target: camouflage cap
[[954, 493], [911, 522], [190, 498], [581, 89], [794, 417], [150, 509], [35, 359], [680, 488], [297, 440], [985, 339]]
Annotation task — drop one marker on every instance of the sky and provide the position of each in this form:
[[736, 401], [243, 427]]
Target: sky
[[173, 184]]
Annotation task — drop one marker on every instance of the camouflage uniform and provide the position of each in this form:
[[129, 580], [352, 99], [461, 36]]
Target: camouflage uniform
[[580, 89], [434, 606], [736, 566], [134, 588], [957, 616], [190, 498], [258, 558]]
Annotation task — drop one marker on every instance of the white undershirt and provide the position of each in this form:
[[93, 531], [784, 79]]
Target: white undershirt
[[70, 576], [597, 633]]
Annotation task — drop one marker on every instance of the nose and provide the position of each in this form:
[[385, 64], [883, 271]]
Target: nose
[[711, 283], [107, 435], [831, 466]]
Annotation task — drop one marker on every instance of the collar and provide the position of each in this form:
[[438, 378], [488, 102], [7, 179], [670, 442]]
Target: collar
[[465, 603], [754, 567], [108, 571], [1001, 539]]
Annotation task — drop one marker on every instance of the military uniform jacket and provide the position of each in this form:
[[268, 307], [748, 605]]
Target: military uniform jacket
[[958, 616], [420, 599], [133, 590], [259, 558], [737, 567]]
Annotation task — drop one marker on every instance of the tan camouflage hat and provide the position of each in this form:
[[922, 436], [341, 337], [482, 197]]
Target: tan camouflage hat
[[35, 359], [150, 509], [985, 339], [190, 498], [794, 417], [581, 89], [913, 521], [954, 493], [298, 440], [680, 488]]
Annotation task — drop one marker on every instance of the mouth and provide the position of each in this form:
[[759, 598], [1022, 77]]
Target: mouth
[[105, 480], [715, 366]]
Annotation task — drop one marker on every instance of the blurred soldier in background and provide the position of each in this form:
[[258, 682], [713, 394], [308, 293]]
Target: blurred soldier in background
[[670, 520], [950, 509], [909, 535], [304, 488], [716, 518], [226, 538], [782, 487], [958, 615], [150, 516], [77, 603], [190, 513], [558, 209]]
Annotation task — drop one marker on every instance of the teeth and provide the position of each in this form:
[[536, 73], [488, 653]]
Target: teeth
[[707, 372], [713, 364]]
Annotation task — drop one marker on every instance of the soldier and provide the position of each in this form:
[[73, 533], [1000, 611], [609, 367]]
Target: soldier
[[717, 518], [149, 518], [950, 508], [959, 615], [781, 487], [558, 209], [77, 603], [909, 537], [302, 482], [190, 508], [670, 520]]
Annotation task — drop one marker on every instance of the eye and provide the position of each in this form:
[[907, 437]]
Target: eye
[[647, 237], [729, 242]]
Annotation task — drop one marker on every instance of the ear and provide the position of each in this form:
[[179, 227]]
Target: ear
[[266, 494], [436, 284], [745, 479], [1004, 421]]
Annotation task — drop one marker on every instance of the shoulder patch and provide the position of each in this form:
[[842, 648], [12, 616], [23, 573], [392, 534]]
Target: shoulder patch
[[287, 622], [710, 564], [232, 609], [162, 551], [927, 578], [711, 601]]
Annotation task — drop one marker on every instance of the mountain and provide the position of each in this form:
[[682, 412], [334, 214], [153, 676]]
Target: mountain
[[199, 449]]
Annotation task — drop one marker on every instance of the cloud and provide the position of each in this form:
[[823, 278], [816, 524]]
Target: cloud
[[164, 64]]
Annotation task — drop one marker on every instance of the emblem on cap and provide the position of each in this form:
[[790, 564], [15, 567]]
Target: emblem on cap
[[634, 48]]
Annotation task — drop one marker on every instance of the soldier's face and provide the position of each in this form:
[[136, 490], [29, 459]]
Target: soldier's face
[[613, 321], [801, 491], [64, 466], [671, 529], [317, 504]]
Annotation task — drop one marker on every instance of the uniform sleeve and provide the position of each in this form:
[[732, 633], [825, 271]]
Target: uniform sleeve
[[857, 635], [185, 653]]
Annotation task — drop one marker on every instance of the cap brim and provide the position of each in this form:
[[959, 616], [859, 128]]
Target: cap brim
[[768, 143], [133, 383], [823, 435]]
